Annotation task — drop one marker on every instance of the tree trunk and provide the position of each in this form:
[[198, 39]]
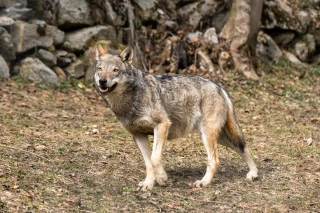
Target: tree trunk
[[241, 31]]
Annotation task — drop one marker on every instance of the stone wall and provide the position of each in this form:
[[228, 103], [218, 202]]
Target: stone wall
[[48, 41]]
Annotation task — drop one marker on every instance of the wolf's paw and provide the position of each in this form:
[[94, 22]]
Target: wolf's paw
[[145, 185], [161, 179], [201, 183], [252, 175]]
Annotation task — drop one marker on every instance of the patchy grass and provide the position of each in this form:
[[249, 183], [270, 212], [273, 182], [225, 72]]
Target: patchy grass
[[64, 151]]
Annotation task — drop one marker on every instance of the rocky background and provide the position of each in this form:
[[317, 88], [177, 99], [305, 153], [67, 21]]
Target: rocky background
[[50, 41]]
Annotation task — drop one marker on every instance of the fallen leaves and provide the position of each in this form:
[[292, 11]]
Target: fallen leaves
[[40, 147]]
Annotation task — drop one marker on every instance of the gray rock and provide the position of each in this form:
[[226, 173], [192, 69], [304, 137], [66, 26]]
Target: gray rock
[[33, 70], [311, 43], [76, 69], [301, 50], [79, 40], [6, 21], [146, 5], [74, 13], [47, 58], [210, 38], [305, 19], [305, 47], [64, 58], [194, 35], [146, 8], [171, 25], [193, 12], [110, 14], [283, 38], [4, 69], [219, 20], [292, 58], [63, 61], [267, 50], [59, 37], [38, 22], [10, 3], [6, 46], [277, 14], [61, 53], [190, 13], [17, 11], [27, 36]]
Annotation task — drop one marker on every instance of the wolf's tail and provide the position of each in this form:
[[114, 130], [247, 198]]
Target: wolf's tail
[[232, 128]]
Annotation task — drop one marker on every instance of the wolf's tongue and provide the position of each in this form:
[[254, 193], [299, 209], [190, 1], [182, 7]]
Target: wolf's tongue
[[104, 90]]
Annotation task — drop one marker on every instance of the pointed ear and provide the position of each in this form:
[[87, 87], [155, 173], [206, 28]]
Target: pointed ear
[[127, 54], [99, 52]]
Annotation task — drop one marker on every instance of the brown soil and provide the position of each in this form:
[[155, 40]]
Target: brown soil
[[62, 150]]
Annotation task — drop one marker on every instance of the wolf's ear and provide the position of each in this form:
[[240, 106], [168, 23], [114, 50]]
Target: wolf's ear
[[99, 52], [126, 55]]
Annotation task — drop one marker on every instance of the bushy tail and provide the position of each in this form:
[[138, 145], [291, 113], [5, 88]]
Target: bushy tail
[[233, 130]]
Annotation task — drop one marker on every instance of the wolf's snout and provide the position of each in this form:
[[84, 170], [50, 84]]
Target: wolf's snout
[[103, 82]]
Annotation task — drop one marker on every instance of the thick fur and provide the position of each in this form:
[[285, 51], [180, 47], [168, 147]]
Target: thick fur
[[169, 107]]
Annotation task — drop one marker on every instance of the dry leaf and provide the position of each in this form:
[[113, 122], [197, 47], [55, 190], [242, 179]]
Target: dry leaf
[[309, 141], [315, 120], [39, 147]]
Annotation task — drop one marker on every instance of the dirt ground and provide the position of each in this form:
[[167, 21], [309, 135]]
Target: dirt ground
[[62, 150]]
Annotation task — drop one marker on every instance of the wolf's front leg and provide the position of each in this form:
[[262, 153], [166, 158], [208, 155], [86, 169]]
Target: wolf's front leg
[[160, 137], [144, 146]]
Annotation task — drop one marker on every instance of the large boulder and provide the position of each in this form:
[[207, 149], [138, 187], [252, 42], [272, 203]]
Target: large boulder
[[33, 70], [305, 47], [145, 9], [277, 14], [205, 12], [74, 13], [190, 14], [79, 41], [17, 11], [6, 21], [27, 36], [267, 50], [4, 69], [10, 3], [112, 17], [6, 46]]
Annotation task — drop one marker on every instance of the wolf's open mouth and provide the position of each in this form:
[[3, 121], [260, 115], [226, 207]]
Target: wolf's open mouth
[[106, 90]]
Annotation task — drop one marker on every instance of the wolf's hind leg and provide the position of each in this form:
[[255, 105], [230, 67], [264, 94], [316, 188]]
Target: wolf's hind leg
[[209, 137], [144, 146], [245, 154]]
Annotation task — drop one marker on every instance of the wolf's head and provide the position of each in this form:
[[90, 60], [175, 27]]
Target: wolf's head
[[110, 70]]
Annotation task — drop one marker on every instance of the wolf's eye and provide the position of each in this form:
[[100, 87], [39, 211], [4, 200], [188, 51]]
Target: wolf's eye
[[115, 70], [99, 68]]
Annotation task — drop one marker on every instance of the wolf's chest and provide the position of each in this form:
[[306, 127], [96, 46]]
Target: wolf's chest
[[134, 123]]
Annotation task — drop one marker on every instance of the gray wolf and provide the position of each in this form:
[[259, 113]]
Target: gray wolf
[[169, 107]]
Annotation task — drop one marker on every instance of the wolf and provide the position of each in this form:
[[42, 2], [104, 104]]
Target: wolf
[[169, 107]]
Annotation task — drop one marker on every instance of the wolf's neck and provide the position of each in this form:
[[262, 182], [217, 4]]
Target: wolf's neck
[[125, 100]]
